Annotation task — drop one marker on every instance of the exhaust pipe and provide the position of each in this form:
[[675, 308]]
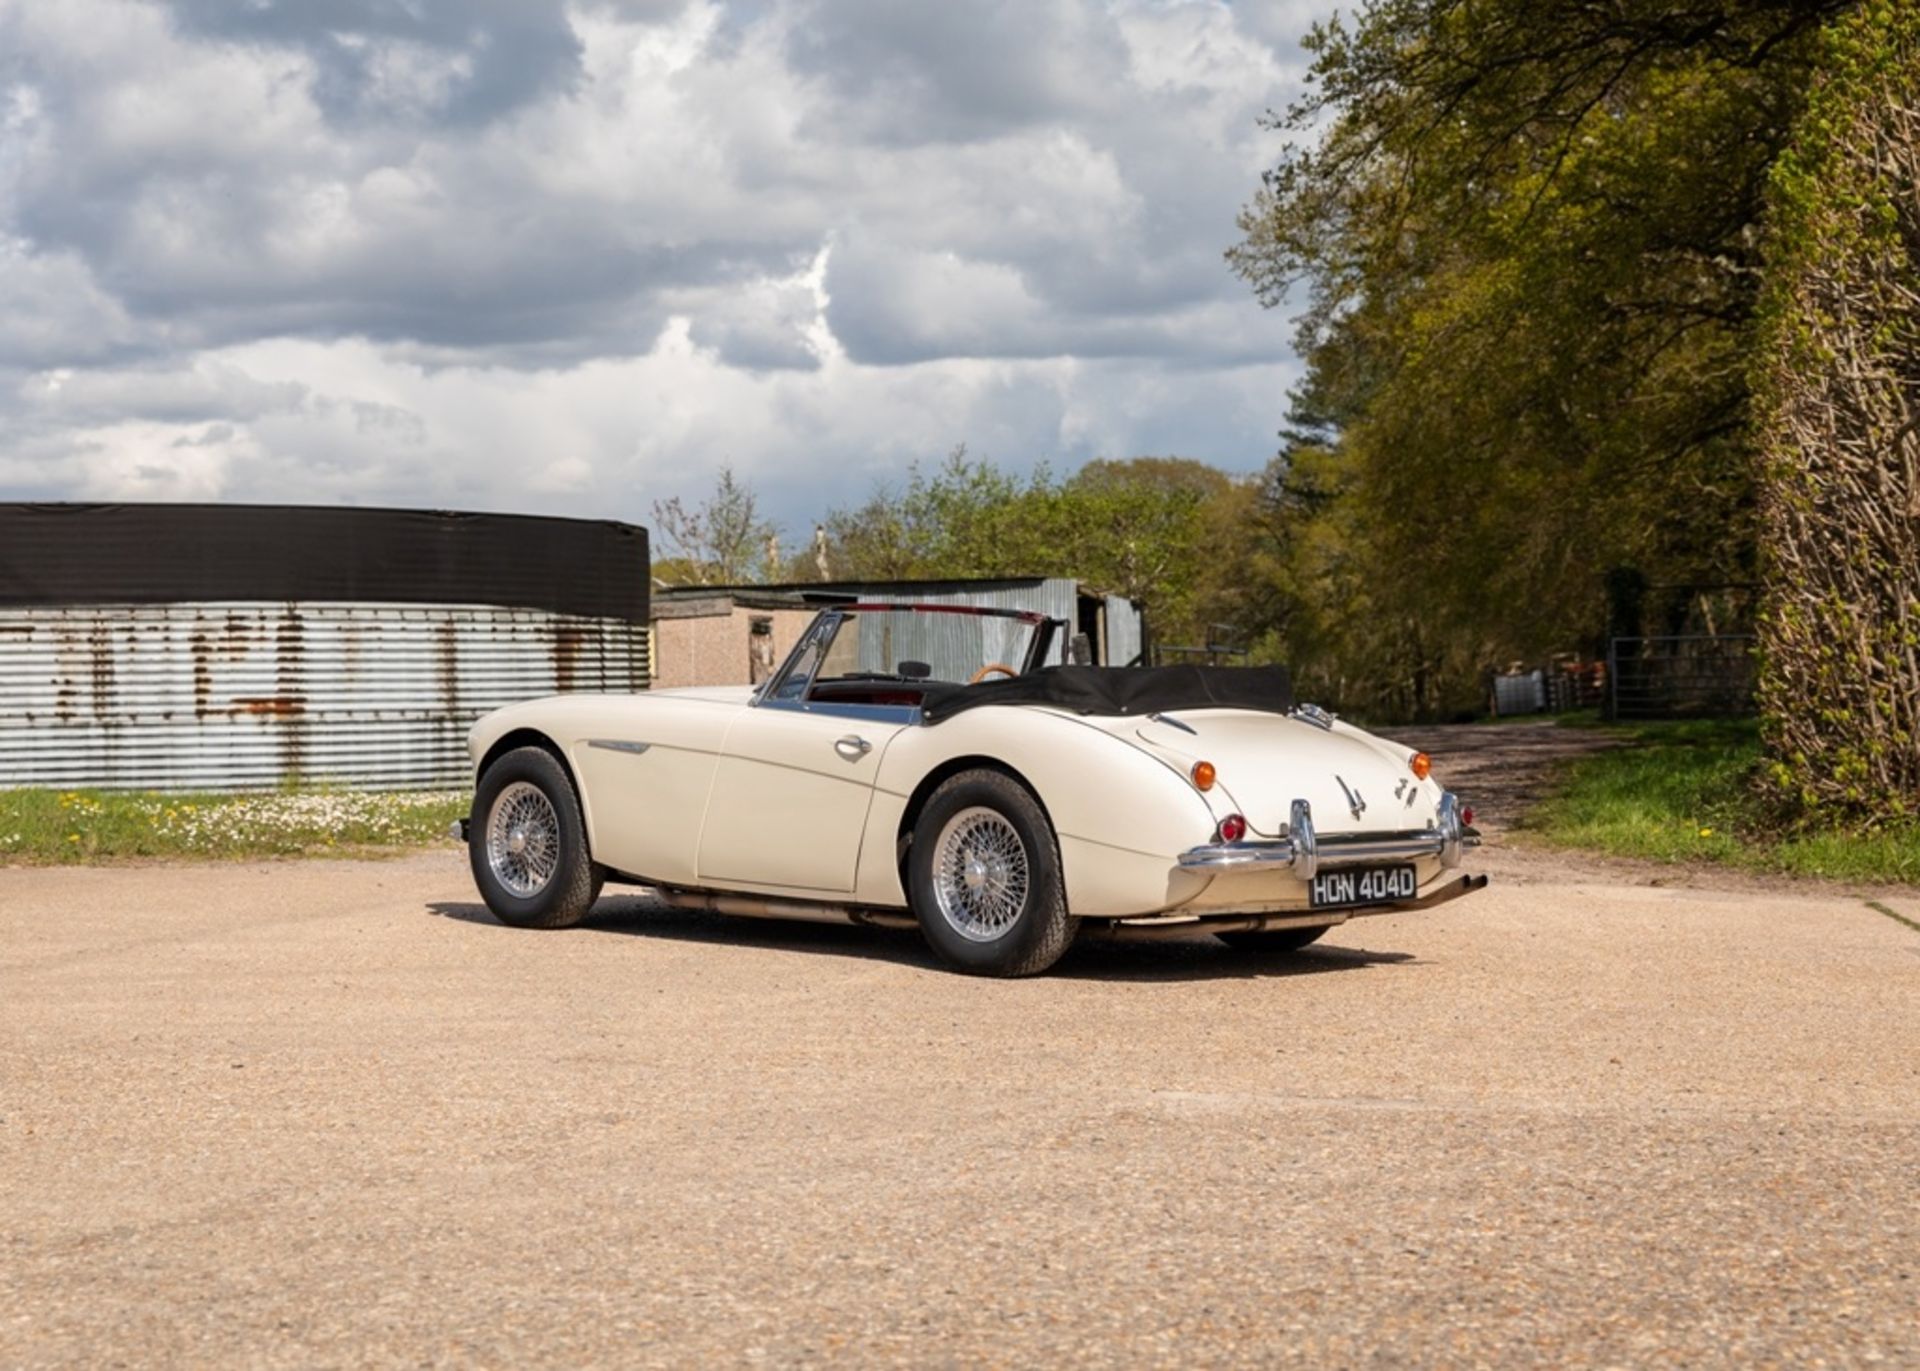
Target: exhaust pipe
[[761, 907], [1125, 931], [1453, 890]]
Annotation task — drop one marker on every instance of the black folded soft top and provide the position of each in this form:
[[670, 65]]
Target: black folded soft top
[[1123, 690]]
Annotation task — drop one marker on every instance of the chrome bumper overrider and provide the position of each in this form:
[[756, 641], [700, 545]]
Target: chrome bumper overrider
[[1304, 854]]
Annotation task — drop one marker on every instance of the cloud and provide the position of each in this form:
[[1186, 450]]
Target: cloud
[[532, 251], [463, 63], [51, 307], [346, 422], [913, 74]]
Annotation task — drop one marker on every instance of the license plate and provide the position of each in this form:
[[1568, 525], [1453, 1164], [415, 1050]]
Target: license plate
[[1361, 885]]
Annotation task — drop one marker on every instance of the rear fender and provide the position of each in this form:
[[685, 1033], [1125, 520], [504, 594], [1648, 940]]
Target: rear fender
[[1121, 816]]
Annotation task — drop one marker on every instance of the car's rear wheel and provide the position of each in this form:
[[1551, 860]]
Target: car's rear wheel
[[1273, 939], [984, 878], [527, 844]]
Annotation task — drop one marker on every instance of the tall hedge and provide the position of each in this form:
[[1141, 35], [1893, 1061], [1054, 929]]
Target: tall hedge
[[1838, 404]]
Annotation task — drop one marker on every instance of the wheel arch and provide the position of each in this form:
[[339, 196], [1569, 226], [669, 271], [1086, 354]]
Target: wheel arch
[[515, 739], [939, 776]]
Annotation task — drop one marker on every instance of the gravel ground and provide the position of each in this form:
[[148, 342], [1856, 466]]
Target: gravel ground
[[331, 1113]]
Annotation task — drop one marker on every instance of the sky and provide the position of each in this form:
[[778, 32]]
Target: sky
[[572, 258]]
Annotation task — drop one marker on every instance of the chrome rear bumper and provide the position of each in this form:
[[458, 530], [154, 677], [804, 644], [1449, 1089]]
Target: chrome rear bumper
[[1304, 854], [1178, 925]]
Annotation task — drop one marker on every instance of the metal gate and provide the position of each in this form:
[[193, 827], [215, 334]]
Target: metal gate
[[1680, 676]]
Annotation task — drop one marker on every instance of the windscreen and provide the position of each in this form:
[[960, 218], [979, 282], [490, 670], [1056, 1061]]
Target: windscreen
[[941, 646]]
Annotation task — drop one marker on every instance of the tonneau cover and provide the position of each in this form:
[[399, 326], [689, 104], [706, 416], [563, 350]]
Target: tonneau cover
[[1124, 690]]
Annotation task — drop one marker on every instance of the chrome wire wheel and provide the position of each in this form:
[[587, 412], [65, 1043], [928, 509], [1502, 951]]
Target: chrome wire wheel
[[980, 874], [523, 839]]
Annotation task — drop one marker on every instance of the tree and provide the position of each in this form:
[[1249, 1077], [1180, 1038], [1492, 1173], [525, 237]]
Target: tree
[[721, 541], [966, 517], [1529, 240], [1151, 528], [1157, 530], [1840, 406]]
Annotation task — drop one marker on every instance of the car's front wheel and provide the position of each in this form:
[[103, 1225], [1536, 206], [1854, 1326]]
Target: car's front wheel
[[527, 844], [984, 878], [1273, 940]]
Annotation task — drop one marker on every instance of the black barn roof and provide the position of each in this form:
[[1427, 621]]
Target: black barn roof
[[70, 554]]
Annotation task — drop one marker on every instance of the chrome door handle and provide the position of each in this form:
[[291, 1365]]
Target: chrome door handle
[[853, 747]]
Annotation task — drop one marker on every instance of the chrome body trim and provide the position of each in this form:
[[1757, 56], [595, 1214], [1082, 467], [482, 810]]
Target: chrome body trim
[[1312, 714], [1302, 844], [1176, 926], [618, 745], [1453, 836], [1305, 854]]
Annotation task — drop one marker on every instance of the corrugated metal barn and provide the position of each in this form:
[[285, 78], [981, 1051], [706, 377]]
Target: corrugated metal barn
[[233, 647]]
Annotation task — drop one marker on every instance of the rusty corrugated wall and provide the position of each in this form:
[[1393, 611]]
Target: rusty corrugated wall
[[251, 695], [1125, 632]]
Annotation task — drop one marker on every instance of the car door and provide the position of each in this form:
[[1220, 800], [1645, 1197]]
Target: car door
[[791, 792]]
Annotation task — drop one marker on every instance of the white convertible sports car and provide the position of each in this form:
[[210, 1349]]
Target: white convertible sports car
[[915, 765]]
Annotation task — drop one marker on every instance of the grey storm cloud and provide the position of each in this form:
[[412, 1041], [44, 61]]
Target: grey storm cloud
[[260, 169], [279, 221], [908, 74], [501, 53]]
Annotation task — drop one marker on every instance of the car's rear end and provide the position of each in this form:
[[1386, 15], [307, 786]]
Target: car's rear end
[[1314, 821]]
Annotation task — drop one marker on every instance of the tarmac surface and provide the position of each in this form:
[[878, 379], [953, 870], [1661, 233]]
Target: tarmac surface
[[331, 1113]]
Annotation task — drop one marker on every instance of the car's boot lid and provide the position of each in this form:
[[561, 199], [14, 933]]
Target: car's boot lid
[[1264, 762]]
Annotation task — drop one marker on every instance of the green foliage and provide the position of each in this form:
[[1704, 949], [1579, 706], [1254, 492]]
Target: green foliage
[[1158, 530], [1528, 239], [1839, 398], [966, 517], [720, 541], [1684, 793]]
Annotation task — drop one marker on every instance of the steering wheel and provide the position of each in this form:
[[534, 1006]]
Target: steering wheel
[[989, 669]]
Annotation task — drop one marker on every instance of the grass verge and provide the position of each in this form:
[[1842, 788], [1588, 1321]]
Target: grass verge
[[67, 827], [1682, 792]]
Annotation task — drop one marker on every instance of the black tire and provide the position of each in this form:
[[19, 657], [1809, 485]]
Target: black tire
[[1273, 939], [1035, 936], [573, 883]]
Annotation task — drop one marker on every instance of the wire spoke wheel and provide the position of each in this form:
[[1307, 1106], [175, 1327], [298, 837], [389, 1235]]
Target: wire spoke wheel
[[980, 874], [523, 839], [983, 877]]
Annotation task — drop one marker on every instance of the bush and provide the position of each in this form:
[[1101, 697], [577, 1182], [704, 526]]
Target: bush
[[1838, 408]]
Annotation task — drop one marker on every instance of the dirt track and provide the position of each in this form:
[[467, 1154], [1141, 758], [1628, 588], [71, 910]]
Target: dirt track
[[332, 1113]]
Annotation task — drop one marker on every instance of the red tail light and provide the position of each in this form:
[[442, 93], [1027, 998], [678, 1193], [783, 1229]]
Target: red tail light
[[1232, 829], [1466, 816]]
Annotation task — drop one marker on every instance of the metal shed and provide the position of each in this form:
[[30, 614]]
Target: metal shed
[[232, 647]]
